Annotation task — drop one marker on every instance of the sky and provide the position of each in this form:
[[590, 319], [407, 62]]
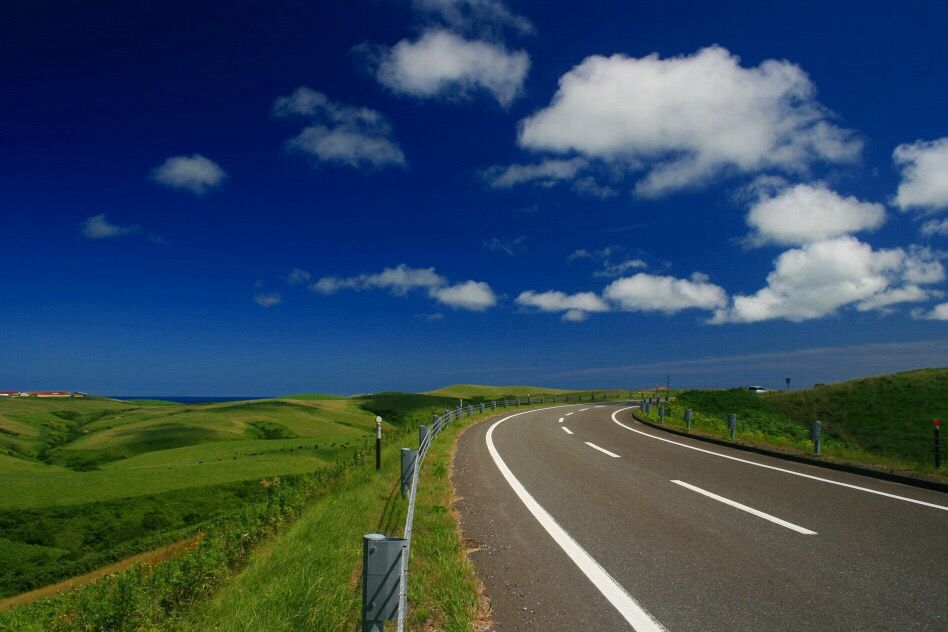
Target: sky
[[262, 198]]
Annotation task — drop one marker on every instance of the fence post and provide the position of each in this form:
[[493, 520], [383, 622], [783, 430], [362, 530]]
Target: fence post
[[381, 579], [422, 433], [937, 424], [408, 461], [732, 424], [661, 414], [495, 404], [816, 429], [688, 419], [482, 408]]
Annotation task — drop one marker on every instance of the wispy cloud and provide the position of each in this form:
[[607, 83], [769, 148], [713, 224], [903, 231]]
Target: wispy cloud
[[196, 174], [99, 227], [267, 299], [511, 247]]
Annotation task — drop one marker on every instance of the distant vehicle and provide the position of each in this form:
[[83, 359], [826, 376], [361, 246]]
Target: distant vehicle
[[756, 389]]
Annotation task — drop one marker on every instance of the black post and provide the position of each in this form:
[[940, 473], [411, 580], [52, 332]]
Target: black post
[[937, 424], [378, 443]]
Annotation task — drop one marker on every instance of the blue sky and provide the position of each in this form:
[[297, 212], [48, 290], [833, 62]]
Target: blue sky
[[469, 191]]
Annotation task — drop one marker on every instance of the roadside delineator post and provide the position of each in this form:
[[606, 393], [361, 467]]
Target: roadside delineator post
[[661, 414], [381, 579], [816, 431], [688, 419], [732, 424], [378, 443], [408, 462], [937, 424]]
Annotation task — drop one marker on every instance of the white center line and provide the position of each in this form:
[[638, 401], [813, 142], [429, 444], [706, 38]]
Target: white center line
[[603, 450], [772, 467], [750, 510], [634, 614], [561, 420], [567, 414], [566, 430], [583, 409]]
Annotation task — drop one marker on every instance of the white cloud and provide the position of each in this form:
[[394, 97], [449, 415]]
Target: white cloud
[[471, 295], [576, 307], [651, 293], [545, 173], [820, 278], [692, 117], [196, 174], [442, 64], [267, 299], [935, 227], [618, 269], [924, 166], [298, 276], [400, 280], [511, 247], [939, 312], [590, 187], [895, 296], [806, 213], [342, 134], [474, 15], [99, 227]]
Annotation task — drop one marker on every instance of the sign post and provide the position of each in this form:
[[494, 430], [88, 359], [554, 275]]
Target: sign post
[[378, 443]]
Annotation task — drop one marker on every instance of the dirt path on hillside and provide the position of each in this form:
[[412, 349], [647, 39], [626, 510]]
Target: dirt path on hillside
[[154, 556]]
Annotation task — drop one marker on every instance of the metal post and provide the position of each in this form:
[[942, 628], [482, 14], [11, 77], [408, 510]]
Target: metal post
[[816, 430], [381, 579], [688, 419], [518, 401], [378, 443], [422, 433], [408, 461], [661, 414], [732, 424], [482, 408], [937, 424]]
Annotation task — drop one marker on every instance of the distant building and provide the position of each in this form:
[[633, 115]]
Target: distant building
[[9, 393], [50, 394]]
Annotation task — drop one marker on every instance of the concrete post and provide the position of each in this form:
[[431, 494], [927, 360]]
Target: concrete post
[[661, 414], [381, 577], [688, 419], [422, 433], [408, 462], [732, 424], [816, 431]]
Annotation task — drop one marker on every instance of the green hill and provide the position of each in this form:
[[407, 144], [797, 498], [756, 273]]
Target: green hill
[[479, 391], [885, 419]]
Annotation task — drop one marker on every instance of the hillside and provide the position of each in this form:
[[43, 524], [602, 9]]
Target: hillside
[[887, 419], [479, 391]]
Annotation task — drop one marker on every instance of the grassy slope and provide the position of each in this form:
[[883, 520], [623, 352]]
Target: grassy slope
[[885, 420], [471, 391]]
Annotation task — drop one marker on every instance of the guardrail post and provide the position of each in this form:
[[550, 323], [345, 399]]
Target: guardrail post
[[482, 408], [422, 433], [732, 424], [408, 462], [661, 414], [381, 578], [937, 424], [518, 401], [816, 430], [688, 419], [495, 404]]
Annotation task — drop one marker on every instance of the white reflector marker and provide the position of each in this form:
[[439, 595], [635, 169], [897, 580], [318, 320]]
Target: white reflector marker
[[750, 510]]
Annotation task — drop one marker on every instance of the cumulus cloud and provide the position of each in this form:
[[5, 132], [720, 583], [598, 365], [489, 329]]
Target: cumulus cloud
[[99, 227], [298, 276], [652, 293], [939, 312], [267, 299], [807, 213], [545, 173], [820, 278], [353, 136], [442, 64], [196, 174], [935, 227], [924, 167], [485, 16], [576, 307], [689, 118], [471, 295], [402, 279]]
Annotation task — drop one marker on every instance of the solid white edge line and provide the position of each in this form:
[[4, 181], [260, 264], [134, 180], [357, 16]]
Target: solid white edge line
[[603, 450], [583, 409], [750, 510], [775, 468], [631, 611], [561, 420], [567, 414], [567, 430]]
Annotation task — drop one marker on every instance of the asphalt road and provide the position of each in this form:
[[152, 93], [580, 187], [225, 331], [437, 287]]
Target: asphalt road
[[598, 522]]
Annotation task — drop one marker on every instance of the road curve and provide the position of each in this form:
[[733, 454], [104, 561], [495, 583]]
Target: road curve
[[581, 518]]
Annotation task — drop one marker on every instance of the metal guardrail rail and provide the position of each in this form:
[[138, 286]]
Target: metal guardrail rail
[[385, 559]]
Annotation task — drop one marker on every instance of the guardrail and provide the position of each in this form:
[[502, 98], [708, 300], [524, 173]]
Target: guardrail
[[385, 559]]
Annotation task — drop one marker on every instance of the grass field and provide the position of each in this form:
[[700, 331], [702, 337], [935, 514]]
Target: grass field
[[479, 391], [883, 420]]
